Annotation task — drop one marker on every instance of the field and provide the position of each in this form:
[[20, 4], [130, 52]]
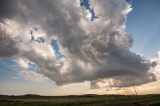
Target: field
[[84, 100]]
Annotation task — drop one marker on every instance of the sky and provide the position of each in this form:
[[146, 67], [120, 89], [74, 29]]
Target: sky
[[144, 22], [86, 47]]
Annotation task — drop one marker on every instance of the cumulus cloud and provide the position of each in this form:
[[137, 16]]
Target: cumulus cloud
[[156, 66], [97, 51], [8, 46]]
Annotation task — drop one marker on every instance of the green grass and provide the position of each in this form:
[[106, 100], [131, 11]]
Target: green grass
[[96, 100]]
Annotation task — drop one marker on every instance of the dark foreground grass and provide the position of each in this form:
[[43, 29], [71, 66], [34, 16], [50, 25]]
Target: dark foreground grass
[[85, 100]]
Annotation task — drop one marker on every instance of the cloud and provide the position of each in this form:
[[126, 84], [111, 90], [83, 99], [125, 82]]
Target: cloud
[[86, 4], [26, 70], [8, 8], [30, 75], [22, 63], [156, 66], [97, 51], [8, 46]]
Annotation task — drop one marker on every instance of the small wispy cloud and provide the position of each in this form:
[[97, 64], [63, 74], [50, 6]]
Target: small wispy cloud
[[30, 76]]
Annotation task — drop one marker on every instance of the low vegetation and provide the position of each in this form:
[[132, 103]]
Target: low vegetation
[[84, 100]]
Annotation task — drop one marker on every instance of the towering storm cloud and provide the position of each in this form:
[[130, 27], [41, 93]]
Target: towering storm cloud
[[70, 42]]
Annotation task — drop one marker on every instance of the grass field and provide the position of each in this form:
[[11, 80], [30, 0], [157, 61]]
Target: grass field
[[84, 100]]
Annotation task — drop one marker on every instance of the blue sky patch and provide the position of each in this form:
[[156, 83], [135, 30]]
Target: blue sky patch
[[7, 70], [86, 4], [40, 40], [54, 44], [32, 66]]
